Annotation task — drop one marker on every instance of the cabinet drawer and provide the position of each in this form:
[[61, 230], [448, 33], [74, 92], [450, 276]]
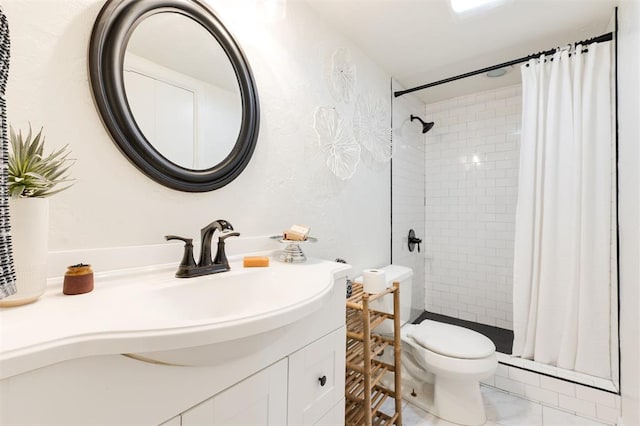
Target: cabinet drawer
[[316, 378]]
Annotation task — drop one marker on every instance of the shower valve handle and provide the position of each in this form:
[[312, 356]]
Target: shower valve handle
[[413, 241], [416, 241]]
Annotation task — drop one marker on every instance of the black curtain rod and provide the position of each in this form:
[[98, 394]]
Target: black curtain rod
[[599, 39]]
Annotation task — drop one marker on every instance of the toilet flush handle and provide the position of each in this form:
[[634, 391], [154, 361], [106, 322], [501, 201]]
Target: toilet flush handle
[[413, 241]]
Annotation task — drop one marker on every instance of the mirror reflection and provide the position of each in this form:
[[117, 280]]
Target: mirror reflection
[[182, 91]]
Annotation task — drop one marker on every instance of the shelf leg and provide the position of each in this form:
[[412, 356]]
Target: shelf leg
[[397, 351], [367, 359]]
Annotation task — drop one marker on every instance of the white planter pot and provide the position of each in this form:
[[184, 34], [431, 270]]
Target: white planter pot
[[30, 236]]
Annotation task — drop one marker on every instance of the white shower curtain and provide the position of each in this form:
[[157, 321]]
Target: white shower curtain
[[563, 241]]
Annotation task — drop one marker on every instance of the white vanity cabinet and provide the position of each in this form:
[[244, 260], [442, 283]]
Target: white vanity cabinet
[[176, 421], [316, 378], [306, 388], [292, 374], [258, 400]]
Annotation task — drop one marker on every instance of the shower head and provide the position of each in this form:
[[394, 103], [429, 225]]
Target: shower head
[[425, 126]]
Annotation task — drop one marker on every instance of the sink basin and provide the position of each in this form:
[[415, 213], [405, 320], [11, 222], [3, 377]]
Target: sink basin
[[148, 310], [229, 296]]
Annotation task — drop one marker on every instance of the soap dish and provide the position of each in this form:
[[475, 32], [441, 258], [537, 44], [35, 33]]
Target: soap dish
[[292, 252]]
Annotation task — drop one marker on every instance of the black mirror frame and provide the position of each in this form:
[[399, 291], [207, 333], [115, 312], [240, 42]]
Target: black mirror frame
[[111, 32]]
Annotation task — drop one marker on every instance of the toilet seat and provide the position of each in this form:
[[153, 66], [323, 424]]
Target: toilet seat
[[451, 340], [444, 365], [453, 361]]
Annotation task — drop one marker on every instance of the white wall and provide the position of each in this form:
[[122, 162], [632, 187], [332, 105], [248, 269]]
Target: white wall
[[629, 206], [408, 191], [471, 161], [112, 204]]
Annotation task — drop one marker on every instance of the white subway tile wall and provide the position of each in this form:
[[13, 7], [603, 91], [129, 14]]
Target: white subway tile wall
[[573, 398], [471, 161], [408, 192]]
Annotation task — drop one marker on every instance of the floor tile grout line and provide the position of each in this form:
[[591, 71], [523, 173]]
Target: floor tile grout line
[[425, 418]]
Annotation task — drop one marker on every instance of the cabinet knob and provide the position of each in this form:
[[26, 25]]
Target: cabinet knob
[[322, 380]]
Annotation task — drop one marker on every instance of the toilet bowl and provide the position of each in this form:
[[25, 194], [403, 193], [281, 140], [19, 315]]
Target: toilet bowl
[[442, 364], [452, 362]]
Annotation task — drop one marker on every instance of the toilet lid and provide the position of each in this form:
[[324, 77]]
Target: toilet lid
[[451, 340]]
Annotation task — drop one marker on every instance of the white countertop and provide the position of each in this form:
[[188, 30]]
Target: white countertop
[[148, 309]]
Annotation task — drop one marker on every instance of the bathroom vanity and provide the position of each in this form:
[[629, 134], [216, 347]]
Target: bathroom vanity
[[249, 346]]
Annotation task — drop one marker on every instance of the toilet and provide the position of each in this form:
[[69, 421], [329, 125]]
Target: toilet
[[442, 364]]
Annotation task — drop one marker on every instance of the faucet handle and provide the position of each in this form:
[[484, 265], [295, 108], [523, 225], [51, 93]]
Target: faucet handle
[[187, 262], [175, 237], [221, 255], [226, 235]]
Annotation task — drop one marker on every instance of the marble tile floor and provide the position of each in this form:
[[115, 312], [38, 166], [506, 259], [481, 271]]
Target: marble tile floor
[[503, 409]]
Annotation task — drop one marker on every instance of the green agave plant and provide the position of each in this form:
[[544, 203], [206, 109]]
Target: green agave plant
[[31, 173]]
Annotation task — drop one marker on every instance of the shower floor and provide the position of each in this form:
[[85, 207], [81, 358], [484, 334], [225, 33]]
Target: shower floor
[[501, 337]]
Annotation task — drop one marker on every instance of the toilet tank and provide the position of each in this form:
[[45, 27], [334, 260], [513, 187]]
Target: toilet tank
[[404, 276]]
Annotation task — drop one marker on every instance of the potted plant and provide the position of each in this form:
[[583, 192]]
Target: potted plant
[[32, 177]]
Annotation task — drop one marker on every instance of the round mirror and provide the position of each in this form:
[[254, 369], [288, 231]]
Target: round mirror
[[175, 91], [186, 102]]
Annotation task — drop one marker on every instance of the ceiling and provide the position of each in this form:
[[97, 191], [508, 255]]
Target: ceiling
[[421, 41]]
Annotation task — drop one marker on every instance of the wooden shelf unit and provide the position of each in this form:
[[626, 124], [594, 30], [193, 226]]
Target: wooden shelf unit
[[364, 392]]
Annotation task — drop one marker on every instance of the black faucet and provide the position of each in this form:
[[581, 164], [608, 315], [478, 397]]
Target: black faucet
[[188, 267]]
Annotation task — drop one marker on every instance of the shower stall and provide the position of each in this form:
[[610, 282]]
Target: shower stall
[[466, 200]]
